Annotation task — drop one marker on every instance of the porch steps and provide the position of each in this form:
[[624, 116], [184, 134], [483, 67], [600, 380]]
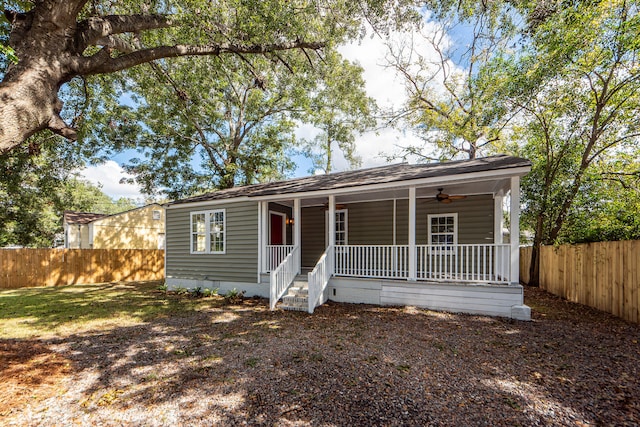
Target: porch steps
[[297, 298]]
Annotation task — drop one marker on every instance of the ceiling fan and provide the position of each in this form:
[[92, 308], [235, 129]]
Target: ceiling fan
[[445, 198]]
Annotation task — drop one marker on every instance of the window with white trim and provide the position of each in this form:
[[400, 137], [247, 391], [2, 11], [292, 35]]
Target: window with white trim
[[208, 232], [443, 230], [341, 227]]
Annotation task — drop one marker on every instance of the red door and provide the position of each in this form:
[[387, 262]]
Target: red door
[[277, 224]]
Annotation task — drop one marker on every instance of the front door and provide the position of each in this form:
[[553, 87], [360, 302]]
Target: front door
[[276, 232]]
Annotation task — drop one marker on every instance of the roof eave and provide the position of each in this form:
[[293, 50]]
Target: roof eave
[[436, 180]]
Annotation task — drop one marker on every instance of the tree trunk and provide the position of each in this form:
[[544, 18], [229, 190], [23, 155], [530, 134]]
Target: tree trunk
[[534, 266], [30, 104]]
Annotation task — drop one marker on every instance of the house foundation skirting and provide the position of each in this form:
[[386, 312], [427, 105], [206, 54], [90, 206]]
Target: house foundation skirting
[[481, 298], [251, 289]]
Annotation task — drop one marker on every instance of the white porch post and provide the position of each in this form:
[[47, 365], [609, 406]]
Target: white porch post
[[265, 234], [260, 243], [514, 229], [412, 234], [296, 230], [497, 219], [500, 253], [332, 221]]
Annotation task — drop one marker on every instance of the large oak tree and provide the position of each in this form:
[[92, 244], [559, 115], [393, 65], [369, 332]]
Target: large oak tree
[[55, 41]]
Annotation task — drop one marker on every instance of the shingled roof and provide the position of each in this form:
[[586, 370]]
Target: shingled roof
[[363, 177], [72, 217]]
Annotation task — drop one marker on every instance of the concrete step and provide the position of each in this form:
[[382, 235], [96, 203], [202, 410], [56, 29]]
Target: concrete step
[[295, 299], [298, 290], [294, 307]]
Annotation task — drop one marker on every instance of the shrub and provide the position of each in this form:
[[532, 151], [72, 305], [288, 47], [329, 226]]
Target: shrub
[[180, 290], [234, 296], [206, 292]]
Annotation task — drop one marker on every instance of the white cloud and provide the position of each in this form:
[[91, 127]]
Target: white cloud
[[383, 85], [108, 176], [388, 89]]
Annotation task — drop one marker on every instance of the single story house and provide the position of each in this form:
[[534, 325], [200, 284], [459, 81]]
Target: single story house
[[428, 235], [140, 228]]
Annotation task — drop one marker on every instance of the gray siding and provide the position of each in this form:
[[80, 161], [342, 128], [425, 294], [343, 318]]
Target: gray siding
[[238, 264], [371, 223], [475, 218], [312, 242]]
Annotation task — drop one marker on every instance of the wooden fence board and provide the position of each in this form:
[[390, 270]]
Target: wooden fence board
[[59, 267], [603, 275]]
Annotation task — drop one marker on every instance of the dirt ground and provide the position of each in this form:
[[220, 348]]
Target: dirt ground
[[344, 365]]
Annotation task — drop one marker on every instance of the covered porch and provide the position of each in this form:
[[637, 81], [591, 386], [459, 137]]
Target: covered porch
[[395, 234]]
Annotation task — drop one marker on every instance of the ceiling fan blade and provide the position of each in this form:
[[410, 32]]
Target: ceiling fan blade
[[457, 197], [447, 200]]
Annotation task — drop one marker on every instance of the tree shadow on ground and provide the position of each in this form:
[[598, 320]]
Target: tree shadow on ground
[[351, 365]]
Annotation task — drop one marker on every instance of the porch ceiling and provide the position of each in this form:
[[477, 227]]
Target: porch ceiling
[[462, 188]]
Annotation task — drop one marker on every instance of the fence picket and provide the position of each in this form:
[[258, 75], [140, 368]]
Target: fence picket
[[603, 275], [60, 267]]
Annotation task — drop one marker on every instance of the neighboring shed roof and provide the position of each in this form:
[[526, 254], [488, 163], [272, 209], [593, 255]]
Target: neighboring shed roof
[[362, 177], [72, 217]]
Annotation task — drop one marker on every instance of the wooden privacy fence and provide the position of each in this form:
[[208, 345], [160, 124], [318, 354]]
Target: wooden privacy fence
[[603, 275], [58, 267]]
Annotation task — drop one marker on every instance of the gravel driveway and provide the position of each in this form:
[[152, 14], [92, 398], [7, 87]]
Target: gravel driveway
[[345, 365]]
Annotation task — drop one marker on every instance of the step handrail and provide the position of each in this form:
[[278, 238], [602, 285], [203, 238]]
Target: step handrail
[[282, 276], [319, 277]]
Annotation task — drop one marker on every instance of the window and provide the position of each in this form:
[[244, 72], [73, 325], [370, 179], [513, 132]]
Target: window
[[341, 227], [208, 232], [155, 215], [443, 230]]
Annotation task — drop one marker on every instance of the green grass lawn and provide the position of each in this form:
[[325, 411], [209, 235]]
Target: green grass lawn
[[60, 311]]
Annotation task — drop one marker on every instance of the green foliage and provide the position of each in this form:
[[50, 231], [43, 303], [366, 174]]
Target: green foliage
[[580, 129], [234, 296], [209, 123], [201, 124], [607, 206], [208, 292], [180, 290], [340, 108], [36, 187]]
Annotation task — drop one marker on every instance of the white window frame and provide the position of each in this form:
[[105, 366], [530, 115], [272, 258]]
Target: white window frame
[[443, 248], [207, 231], [346, 227], [156, 215]]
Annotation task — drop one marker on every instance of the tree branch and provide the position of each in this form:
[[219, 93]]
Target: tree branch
[[99, 64], [95, 28]]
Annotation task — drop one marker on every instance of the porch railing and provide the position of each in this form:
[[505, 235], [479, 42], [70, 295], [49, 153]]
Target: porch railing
[[380, 261], [319, 277], [282, 276], [464, 263], [275, 254]]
